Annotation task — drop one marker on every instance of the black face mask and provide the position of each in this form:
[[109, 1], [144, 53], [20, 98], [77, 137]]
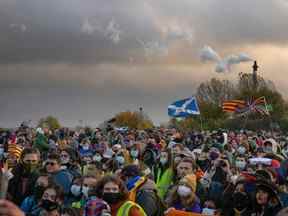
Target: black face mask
[[49, 205], [112, 198], [38, 191], [240, 201]]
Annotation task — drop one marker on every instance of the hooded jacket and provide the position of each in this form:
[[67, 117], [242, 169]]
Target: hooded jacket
[[147, 198]]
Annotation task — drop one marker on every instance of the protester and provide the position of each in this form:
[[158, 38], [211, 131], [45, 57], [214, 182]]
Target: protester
[[112, 190], [25, 174], [179, 172]]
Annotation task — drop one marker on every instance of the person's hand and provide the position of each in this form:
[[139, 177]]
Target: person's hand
[[168, 210], [8, 208], [283, 212]]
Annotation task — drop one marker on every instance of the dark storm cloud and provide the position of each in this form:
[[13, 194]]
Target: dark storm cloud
[[51, 67], [54, 32]]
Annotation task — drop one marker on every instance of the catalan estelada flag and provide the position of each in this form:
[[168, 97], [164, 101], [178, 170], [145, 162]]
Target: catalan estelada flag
[[233, 105]]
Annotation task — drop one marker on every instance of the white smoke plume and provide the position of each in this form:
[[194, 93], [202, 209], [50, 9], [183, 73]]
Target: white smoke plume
[[87, 27], [222, 64], [111, 31]]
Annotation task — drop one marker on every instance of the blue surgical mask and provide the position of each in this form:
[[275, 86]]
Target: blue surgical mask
[[134, 153], [208, 211], [242, 150], [268, 149], [240, 164], [120, 159]]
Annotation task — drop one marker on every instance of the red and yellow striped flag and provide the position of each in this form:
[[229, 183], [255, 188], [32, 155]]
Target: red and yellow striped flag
[[233, 105]]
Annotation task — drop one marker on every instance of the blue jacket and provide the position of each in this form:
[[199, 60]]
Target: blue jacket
[[30, 207], [64, 179]]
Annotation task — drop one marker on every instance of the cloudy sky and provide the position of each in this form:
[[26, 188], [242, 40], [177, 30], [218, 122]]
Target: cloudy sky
[[89, 59]]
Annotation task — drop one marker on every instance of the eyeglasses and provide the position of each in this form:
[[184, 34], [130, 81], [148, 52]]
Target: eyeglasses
[[50, 163], [64, 156]]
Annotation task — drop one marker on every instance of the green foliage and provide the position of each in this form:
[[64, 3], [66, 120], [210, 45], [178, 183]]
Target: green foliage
[[211, 94], [135, 120], [49, 122]]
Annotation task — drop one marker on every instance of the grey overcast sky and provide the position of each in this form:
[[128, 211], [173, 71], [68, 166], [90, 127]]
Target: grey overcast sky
[[85, 59]]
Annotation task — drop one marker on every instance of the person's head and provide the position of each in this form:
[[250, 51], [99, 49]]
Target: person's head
[[166, 158], [89, 182], [130, 171], [54, 194], [30, 159], [41, 184], [65, 157], [185, 167], [184, 192], [53, 163], [240, 200], [135, 151], [262, 197], [93, 169], [111, 189], [264, 193], [120, 158], [240, 162]]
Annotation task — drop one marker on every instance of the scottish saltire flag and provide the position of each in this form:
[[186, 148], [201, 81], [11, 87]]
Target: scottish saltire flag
[[184, 108]]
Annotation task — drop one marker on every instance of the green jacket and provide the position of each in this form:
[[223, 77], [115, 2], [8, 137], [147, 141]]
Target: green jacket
[[41, 143], [164, 179]]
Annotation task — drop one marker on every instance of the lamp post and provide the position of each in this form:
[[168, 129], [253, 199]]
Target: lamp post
[[255, 69]]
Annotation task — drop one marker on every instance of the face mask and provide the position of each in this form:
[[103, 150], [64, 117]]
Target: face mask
[[240, 200], [75, 190], [204, 182], [163, 161], [29, 168], [1, 151], [65, 160], [134, 153], [184, 191], [86, 147], [49, 205], [241, 150], [120, 159], [213, 155], [97, 158], [208, 211], [112, 198], [38, 191], [268, 149], [240, 164], [85, 191]]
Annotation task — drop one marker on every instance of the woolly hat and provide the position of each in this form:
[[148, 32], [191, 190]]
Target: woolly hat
[[96, 207], [190, 181]]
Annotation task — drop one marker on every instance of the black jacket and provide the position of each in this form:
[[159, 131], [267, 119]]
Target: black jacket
[[21, 185]]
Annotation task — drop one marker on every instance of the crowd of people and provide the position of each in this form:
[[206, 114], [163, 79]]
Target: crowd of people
[[127, 172]]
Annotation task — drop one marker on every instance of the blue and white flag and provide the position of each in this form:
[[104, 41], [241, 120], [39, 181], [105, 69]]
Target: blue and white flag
[[184, 108]]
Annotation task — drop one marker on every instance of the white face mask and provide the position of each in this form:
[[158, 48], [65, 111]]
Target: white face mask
[[134, 153], [240, 164], [85, 191], [184, 191], [120, 159], [1, 151], [163, 161], [75, 190], [208, 211], [242, 150], [86, 147], [65, 160], [97, 158]]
